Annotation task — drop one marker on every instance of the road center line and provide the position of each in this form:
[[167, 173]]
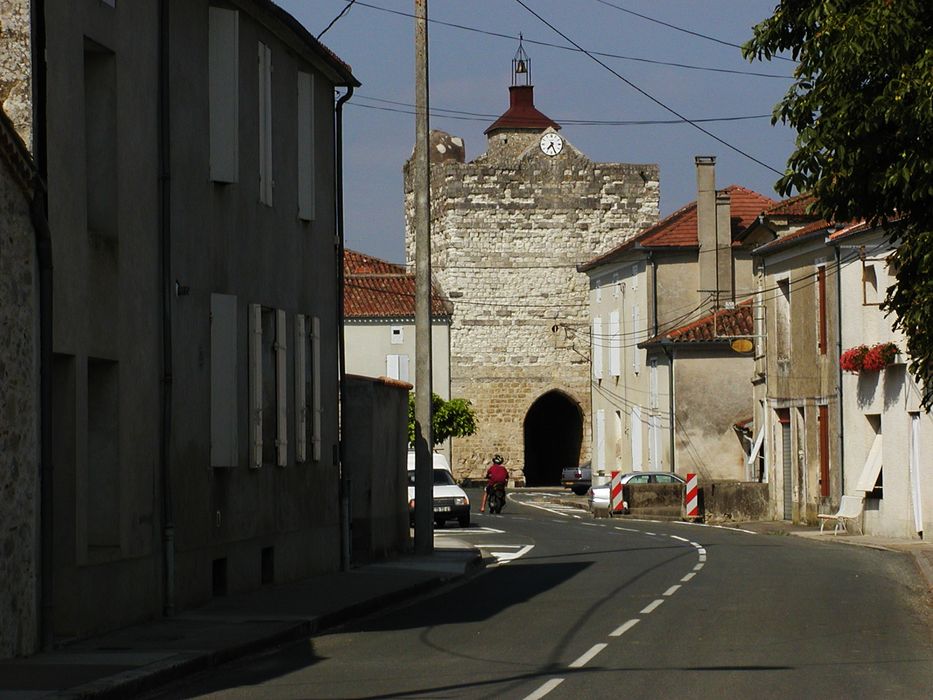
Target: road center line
[[672, 590], [687, 577], [682, 539], [652, 606], [698, 567], [545, 689], [701, 551], [594, 650], [653, 534], [623, 628], [702, 558]]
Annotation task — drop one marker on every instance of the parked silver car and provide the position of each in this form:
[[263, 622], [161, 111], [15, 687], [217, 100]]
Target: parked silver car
[[598, 496]]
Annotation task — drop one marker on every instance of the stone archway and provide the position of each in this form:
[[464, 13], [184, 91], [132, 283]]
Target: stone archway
[[553, 433]]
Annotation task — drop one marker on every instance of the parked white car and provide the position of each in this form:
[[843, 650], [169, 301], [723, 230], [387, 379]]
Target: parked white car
[[450, 501]]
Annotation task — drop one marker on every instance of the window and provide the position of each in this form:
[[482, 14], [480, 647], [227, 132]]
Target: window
[[224, 448], [871, 480], [600, 430], [823, 418], [397, 335], [102, 506], [265, 124], [281, 389], [397, 367], [615, 345], [636, 333], [223, 93], [665, 479], [596, 348], [871, 295], [268, 434], [821, 308], [100, 128], [782, 318], [305, 144]]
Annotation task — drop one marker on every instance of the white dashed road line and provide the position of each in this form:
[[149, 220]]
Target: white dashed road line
[[652, 606], [545, 689], [594, 650], [671, 591], [687, 577], [622, 629]]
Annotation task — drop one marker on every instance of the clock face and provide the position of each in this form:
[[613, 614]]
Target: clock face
[[551, 144]]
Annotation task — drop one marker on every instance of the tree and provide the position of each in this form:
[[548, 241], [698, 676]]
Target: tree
[[454, 418], [862, 106]]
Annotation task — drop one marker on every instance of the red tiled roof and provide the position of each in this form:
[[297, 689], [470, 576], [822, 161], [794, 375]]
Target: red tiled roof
[[718, 326], [374, 288], [679, 230], [810, 230], [794, 207], [522, 113]]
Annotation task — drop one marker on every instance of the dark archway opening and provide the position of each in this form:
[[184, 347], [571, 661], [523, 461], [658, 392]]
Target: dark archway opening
[[553, 436]]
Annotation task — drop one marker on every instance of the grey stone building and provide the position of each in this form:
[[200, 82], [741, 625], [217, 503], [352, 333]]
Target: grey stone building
[[19, 390], [190, 150], [508, 230]]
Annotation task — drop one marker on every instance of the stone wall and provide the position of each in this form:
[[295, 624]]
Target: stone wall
[[15, 85], [19, 387], [508, 231]]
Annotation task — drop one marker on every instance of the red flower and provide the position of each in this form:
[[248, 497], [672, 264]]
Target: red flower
[[879, 357], [851, 360]]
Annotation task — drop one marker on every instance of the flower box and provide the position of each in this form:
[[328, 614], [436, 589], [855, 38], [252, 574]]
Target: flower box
[[868, 359]]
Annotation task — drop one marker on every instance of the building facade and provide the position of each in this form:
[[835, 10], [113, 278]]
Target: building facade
[[508, 230], [191, 199]]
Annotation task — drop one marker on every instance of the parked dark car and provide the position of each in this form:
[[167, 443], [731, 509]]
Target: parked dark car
[[577, 479]]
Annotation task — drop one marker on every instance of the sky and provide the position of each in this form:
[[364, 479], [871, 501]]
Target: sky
[[470, 73]]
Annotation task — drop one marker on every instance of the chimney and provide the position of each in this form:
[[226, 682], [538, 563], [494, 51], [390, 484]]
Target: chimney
[[706, 224], [723, 254]]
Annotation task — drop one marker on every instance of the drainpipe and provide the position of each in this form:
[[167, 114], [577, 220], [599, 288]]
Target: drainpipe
[[654, 291], [165, 263], [39, 212], [669, 351], [341, 364], [842, 442]]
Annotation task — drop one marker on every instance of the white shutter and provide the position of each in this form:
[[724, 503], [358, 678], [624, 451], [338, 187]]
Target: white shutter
[[281, 389], [636, 333], [301, 399], [255, 385], [596, 348], [615, 345], [223, 93], [224, 447], [305, 146], [316, 389], [403, 368], [871, 470], [636, 439], [265, 124], [392, 366], [654, 441], [600, 440]]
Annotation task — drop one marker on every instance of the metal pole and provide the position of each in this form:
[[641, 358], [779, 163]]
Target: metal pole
[[424, 474]]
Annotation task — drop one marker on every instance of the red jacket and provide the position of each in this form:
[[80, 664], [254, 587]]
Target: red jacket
[[497, 474]]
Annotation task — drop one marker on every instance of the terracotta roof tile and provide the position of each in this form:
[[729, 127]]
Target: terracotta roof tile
[[679, 230], [712, 327], [374, 288], [794, 207]]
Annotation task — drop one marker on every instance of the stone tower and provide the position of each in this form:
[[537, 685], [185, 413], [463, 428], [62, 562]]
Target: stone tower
[[508, 230]]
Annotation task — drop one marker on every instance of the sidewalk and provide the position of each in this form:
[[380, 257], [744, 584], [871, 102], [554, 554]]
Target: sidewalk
[[131, 661]]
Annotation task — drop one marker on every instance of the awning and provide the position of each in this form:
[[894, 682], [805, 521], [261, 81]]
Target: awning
[[756, 448], [871, 470]]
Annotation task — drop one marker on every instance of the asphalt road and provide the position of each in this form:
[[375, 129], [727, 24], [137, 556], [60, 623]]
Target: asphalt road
[[572, 607]]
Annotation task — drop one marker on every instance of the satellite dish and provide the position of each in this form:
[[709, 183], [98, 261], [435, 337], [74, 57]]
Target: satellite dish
[[742, 345]]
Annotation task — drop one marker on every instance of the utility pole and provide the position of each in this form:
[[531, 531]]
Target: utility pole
[[421, 185]]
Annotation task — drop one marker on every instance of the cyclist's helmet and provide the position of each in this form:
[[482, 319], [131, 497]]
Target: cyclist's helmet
[[497, 459]]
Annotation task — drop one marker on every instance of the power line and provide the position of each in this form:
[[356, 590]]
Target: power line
[[679, 29], [648, 95], [458, 115], [334, 20], [513, 38]]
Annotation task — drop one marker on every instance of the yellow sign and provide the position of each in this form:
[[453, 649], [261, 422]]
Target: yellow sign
[[742, 345]]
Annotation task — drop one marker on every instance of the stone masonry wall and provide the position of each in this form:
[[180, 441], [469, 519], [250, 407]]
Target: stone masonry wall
[[18, 422], [15, 85], [508, 231]]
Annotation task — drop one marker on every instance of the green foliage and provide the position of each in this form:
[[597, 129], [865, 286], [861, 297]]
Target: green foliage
[[862, 106], [454, 418]]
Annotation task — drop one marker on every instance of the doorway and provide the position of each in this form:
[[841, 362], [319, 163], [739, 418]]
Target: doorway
[[553, 433]]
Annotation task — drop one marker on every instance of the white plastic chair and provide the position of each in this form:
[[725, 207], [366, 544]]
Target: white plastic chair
[[849, 511]]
